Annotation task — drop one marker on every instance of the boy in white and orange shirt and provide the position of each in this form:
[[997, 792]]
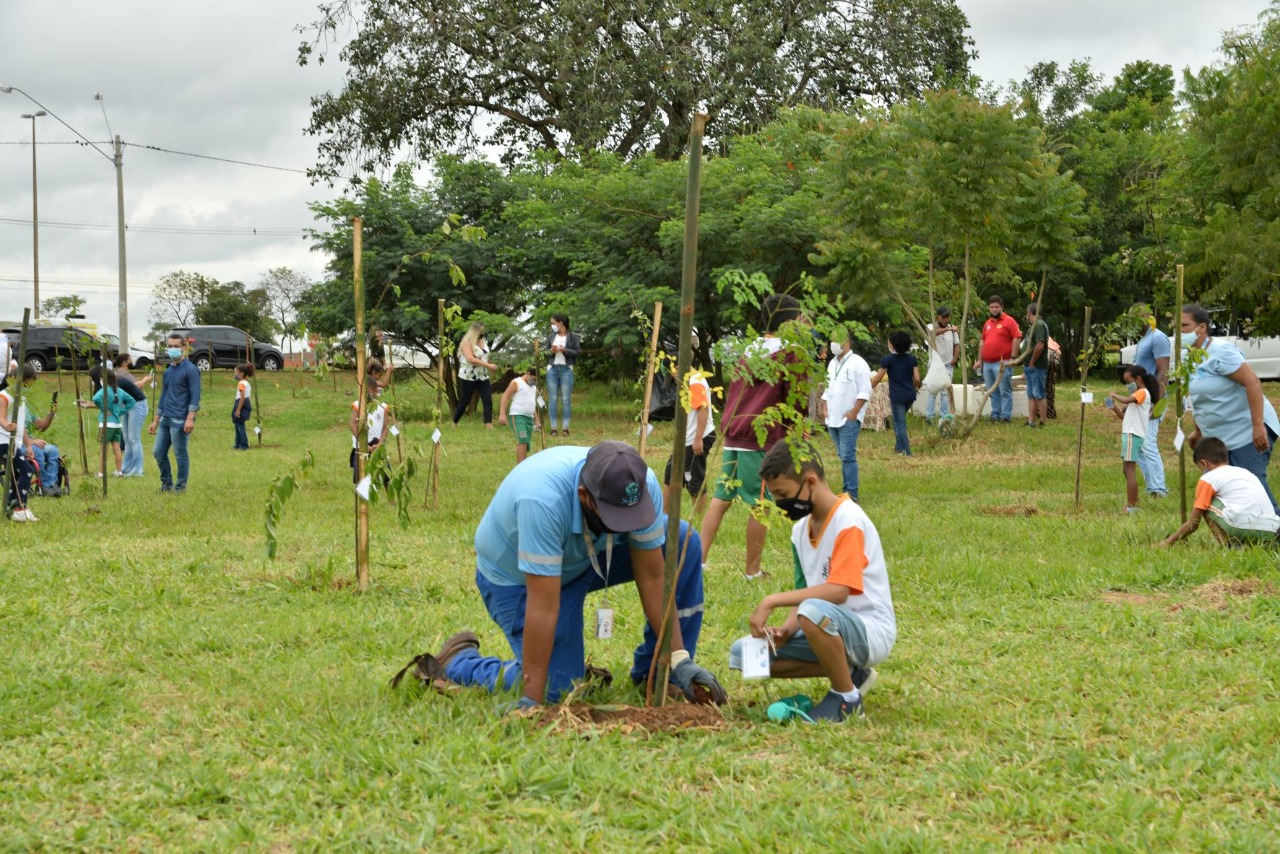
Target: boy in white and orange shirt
[[1230, 499], [699, 439], [841, 621]]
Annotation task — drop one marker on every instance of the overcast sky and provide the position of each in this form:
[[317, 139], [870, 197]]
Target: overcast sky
[[221, 80]]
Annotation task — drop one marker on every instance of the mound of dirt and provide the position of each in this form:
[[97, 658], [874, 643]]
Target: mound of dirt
[[673, 717], [1215, 595], [1218, 594], [1009, 510]]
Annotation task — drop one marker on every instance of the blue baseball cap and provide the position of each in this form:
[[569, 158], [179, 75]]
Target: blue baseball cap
[[617, 478]]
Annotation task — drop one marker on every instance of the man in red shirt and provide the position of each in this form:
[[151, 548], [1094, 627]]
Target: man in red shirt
[[1000, 339]]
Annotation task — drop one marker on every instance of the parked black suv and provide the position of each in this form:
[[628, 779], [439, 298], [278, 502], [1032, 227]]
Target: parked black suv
[[54, 347], [226, 347]]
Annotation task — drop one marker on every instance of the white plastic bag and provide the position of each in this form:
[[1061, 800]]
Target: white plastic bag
[[938, 377]]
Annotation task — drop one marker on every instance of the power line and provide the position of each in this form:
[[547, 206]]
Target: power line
[[162, 229], [220, 159], [164, 151]]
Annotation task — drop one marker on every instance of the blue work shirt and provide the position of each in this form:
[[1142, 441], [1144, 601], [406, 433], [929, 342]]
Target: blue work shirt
[[1154, 345], [1219, 404], [180, 392], [534, 524]]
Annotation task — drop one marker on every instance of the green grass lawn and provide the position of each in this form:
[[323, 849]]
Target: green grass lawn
[[1057, 682]]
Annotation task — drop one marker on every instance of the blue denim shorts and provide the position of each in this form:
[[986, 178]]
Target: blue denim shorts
[[1035, 382], [832, 619]]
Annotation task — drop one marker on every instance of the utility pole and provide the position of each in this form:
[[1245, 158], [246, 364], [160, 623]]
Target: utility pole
[[35, 215], [124, 288]]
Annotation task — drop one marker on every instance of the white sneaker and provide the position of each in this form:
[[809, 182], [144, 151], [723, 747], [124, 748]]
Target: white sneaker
[[117, 474], [24, 516]]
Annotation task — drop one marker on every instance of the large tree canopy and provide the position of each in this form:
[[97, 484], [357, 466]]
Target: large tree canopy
[[622, 77]]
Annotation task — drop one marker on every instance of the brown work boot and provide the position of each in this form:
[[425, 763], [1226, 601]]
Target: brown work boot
[[430, 669], [458, 643]]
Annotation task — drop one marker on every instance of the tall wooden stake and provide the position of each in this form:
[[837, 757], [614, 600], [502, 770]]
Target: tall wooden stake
[[1178, 409], [657, 693], [1084, 379], [648, 377], [362, 432]]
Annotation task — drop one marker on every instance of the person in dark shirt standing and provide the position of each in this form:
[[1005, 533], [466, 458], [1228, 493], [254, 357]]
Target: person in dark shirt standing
[[904, 378], [1037, 366], [175, 414]]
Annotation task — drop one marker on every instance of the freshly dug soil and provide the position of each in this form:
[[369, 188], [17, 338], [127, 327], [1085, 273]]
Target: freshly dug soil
[[673, 717]]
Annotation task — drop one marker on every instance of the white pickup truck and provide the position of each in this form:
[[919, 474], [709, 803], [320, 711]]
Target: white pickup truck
[[1261, 352]]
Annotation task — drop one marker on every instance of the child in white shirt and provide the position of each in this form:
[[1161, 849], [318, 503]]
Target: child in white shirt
[[1230, 499], [521, 398], [1134, 411]]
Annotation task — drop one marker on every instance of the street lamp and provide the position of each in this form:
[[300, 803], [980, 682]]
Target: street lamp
[[35, 212]]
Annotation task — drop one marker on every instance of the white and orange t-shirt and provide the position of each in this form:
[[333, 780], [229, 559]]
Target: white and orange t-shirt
[[1244, 502], [242, 392], [699, 396], [1137, 414], [846, 550]]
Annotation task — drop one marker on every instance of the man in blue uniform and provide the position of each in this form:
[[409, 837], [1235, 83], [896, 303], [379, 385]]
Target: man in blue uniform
[[563, 523]]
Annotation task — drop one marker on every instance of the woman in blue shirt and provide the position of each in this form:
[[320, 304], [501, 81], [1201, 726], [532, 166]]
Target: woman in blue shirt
[[1227, 402]]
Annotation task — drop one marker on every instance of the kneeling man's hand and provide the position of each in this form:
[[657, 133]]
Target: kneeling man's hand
[[687, 676]]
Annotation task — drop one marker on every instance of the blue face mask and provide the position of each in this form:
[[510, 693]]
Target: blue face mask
[[1132, 386], [1189, 338], [174, 353]]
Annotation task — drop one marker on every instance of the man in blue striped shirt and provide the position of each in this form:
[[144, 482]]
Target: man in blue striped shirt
[[563, 523]]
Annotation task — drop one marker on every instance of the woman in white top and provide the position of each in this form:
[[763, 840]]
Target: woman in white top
[[563, 347], [473, 374]]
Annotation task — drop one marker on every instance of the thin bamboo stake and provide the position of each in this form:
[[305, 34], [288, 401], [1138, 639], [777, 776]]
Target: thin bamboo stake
[[648, 378], [16, 414], [1177, 400], [661, 671], [542, 434], [391, 372], [440, 360], [106, 406], [362, 432], [1084, 379], [84, 450], [257, 401]]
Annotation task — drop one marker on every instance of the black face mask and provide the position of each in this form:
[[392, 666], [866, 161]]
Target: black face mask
[[796, 508], [594, 523]]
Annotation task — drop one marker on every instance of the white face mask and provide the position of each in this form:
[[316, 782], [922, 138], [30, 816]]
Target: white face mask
[[836, 349]]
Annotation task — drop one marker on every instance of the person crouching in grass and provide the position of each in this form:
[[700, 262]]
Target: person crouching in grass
[[521, 398], [841, 621], [1230, 499]]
